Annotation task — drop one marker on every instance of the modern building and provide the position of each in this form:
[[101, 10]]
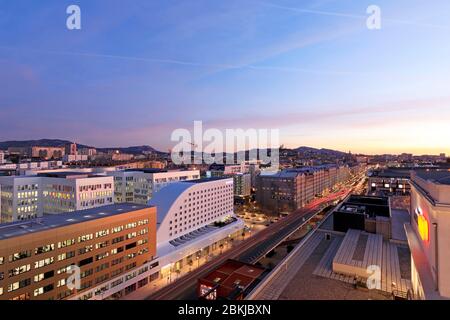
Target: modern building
[[242, 175], [2, 157], [139, 185], [68, 191], [28, 197], [20, 198], [428, 234], [194, 218], [38, 257], [231, 281], [242, 185]]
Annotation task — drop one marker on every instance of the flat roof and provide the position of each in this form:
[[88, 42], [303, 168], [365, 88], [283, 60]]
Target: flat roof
[[370, 205], [435, 176], [203, 180], [53, 221], [68, 174], [147, 170]]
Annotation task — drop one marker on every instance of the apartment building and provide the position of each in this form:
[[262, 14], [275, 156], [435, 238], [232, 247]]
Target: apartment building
[[290, 189], [28, 197], [38, 257], [2, 157], [139, 185], [429, 232]]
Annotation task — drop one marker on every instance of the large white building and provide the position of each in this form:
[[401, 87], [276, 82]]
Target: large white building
[[429, 234], [139, 185], [28, 197], [194, 217]]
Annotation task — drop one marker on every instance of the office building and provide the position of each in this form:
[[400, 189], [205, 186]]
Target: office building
[[28, 197], [69, 191], [242, 175], [428, 234], [36, 256], [139, 185], [242, 185], [194, 218]]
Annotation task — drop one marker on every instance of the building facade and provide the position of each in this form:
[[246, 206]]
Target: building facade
[[38, 257], [28, 197], [428, 234], [290, 189], [138, 186]]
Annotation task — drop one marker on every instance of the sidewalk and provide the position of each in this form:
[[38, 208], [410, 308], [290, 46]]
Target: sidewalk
[[145, 291]]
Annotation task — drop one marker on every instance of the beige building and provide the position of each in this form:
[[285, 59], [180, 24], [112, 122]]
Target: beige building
[[104, 243]]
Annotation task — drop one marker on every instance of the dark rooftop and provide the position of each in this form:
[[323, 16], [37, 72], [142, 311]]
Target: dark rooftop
[[436, 176], [52, 221], [68, 175]]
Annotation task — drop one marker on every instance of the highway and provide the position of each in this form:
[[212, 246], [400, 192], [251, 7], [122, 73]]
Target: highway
[[251, 249]]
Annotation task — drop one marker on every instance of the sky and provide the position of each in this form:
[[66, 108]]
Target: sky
[[140, 69]]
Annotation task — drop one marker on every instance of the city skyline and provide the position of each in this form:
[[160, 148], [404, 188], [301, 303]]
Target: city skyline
[[313, 70]]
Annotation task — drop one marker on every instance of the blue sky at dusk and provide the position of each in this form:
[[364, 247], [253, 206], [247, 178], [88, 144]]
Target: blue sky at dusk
[[139, 69]]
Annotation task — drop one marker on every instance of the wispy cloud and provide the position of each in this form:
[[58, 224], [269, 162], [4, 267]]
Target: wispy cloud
[[354, 16]]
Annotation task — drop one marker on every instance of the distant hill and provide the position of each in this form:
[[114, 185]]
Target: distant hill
[[59, 143], [131, 150], [40, 143], [329, 152]]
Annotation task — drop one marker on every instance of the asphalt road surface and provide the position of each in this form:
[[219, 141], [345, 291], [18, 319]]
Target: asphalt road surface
[[249, 250]]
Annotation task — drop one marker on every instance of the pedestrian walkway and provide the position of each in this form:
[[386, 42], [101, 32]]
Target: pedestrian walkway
[[282, 275], [150, 288]]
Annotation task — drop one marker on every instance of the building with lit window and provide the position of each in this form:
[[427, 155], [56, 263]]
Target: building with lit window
[[102, 246], [429, 232], [28, 197], [242, 184], [290, 189], [139, 185], [20, 198], [2, 157], [66, 192]]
